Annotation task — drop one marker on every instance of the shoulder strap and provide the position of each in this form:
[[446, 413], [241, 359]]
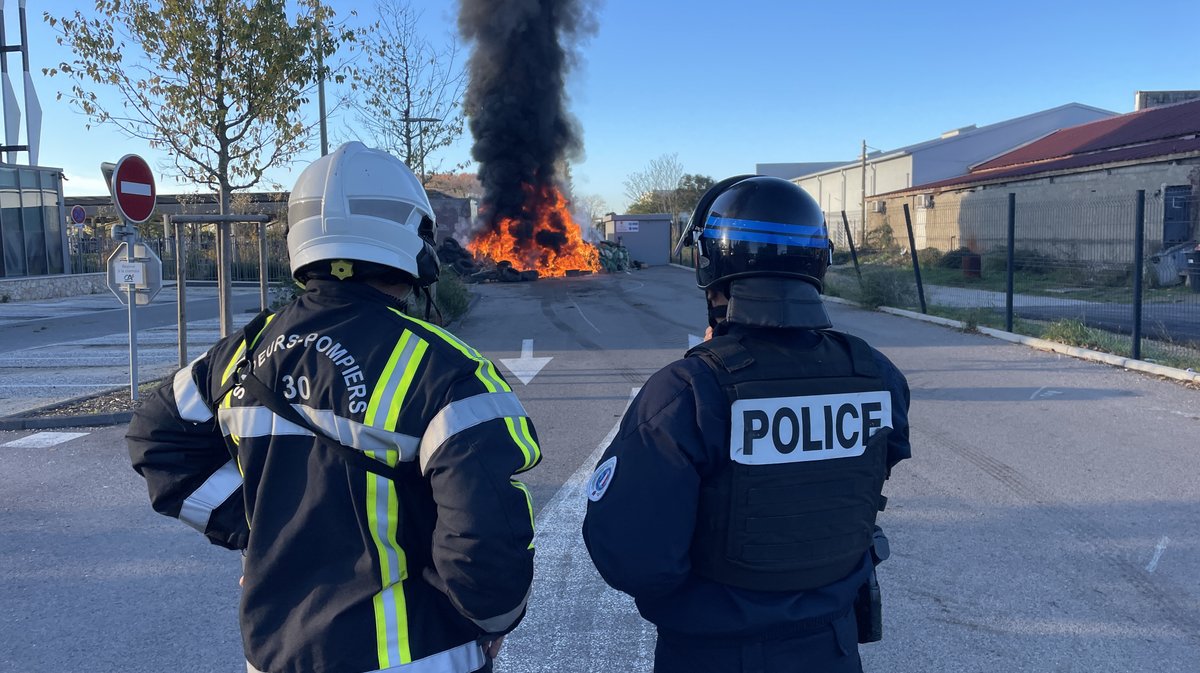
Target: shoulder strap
[[259, 391], [726, 352], [250, 332], [860, 353]]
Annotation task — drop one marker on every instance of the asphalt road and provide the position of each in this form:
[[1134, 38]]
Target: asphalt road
[[58, 350], [1047, 522]]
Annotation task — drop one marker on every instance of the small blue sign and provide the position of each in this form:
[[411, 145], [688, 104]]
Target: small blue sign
[[78, 214]]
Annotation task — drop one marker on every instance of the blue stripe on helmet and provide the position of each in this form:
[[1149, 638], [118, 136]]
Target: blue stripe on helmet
[[757, 225], [818, 242]]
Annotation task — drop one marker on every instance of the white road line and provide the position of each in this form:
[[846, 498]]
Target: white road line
[[585, 318], [1158, 552], [44, 440], [575, 621]]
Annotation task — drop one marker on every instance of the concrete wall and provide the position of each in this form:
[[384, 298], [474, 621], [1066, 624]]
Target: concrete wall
[[1085, 217], [52, 287], [842, 189]]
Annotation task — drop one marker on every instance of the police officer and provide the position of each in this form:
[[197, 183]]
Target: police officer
[[363, 460], [737, 503]]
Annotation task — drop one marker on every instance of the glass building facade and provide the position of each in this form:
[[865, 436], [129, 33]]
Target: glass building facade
[[33, 240]]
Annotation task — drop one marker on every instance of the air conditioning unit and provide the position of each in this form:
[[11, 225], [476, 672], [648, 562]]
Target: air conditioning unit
[[925, 200], [877, 207]]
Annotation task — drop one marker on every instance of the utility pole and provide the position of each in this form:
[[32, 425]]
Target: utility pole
[[408, 134], [321, 81], [863, 235]]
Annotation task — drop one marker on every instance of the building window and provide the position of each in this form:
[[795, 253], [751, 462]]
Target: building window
[[31, 226], [10, 224]]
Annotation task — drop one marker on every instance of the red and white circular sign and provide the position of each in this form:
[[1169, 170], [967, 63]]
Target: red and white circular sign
[[133, 188]]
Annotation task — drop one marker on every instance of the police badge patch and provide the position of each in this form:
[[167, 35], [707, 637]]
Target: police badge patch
[[601, 478]]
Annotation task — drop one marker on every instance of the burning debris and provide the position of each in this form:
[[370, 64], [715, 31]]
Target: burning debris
[[516, 103]]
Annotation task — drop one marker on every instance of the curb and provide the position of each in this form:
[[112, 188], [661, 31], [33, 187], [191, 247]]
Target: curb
[[1042, 344], [24, 421], [58, 422]]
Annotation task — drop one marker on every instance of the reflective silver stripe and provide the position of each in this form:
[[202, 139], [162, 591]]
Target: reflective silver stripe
[[359, 436], [262, 422], [467, 413], [199, 506], [188, 398], [502, 622], [391, 387], [256, 422], [392, 562], [465, 658]]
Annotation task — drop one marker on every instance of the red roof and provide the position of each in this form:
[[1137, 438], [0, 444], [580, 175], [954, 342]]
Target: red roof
[[1143, 126], [1160, 131], [1078, 161]]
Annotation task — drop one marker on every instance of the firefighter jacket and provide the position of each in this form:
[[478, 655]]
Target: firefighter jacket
[[646, 495], [380, 521]]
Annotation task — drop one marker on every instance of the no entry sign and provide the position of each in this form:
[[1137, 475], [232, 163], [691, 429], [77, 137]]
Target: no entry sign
[[133, 188]]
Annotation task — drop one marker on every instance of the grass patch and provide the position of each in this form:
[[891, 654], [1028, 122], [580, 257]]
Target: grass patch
[[452, 296], [1076, 333], [887, 287]]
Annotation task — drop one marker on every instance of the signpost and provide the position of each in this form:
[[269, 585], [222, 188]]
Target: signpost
[[134, 271]]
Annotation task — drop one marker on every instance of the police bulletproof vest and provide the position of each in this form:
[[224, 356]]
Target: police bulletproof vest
[[794, 506]]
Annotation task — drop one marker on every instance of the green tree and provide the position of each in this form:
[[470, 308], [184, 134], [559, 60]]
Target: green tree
[[219, 85], [691, 188]]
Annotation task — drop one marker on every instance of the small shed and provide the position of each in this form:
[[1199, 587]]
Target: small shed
[[646, 236]]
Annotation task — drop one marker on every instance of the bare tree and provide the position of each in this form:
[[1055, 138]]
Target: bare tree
[[655, 189], [590, 206], [411, 90]]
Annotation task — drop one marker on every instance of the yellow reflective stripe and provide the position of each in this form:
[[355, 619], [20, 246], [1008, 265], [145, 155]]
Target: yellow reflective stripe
[[516, 437], [486, 371], [528, 501], [381, 384], [410, 370], [391, 616], [523, 422], [237, 355], [241, 350]]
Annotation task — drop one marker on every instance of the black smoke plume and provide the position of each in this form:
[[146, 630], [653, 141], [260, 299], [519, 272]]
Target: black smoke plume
[[516, 104]]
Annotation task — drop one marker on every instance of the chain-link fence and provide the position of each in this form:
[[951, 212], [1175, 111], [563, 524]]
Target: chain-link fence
[[89, 254], [1067, 271]]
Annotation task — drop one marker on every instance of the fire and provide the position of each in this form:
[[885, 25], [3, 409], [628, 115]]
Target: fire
[[545, 238]]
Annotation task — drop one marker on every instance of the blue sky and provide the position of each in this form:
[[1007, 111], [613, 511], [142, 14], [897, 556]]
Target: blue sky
[[727, 85]]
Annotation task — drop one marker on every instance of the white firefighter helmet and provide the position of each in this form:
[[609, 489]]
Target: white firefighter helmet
[[361, 204]]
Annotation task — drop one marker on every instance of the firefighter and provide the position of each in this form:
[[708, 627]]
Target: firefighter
[[361, 459], [737, 503]]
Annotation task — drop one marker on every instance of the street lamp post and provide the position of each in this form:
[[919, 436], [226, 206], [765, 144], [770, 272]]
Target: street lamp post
[[407, 119]]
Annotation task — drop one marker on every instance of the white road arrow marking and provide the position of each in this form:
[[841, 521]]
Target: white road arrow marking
[[694, 341], [526, 367], [138, 188]]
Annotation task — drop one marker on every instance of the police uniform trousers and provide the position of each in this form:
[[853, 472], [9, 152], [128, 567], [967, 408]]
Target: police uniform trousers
[[832, 648]]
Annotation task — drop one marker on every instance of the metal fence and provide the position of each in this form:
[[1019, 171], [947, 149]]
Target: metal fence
[[1107, 273], [89, 254]]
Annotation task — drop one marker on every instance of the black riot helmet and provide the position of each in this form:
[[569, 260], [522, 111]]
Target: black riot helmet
[[751, 226]]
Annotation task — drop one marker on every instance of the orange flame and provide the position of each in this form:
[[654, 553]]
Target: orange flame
[[545, 238]]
